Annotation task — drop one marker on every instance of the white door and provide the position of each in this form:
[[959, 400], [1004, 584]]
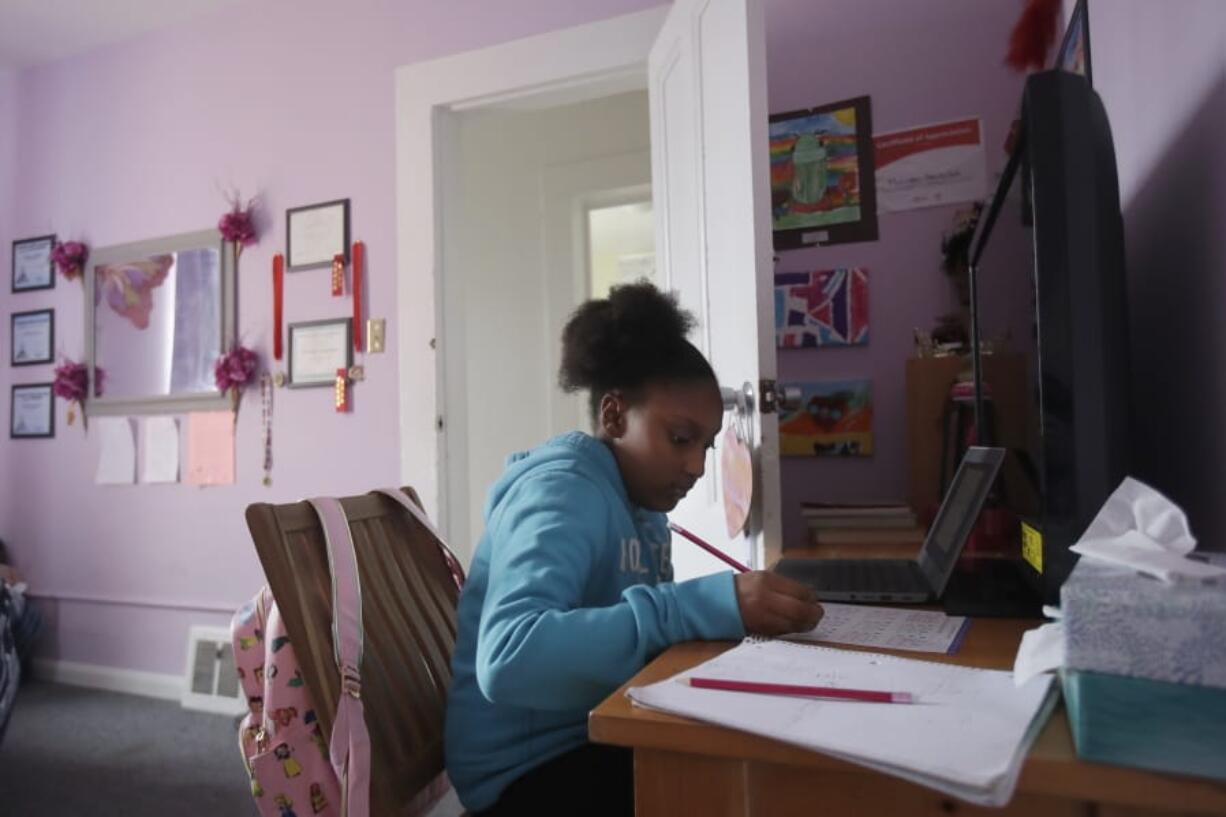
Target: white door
[[711, 190]]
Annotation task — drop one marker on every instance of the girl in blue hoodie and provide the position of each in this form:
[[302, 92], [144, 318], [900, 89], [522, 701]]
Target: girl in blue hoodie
[[570, 590]]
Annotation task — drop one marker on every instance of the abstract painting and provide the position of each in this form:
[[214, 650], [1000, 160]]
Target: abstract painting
[[822, 175], [821, 308], [834, 419]]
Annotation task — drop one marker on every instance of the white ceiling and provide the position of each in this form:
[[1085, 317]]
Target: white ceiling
[[37, 31]]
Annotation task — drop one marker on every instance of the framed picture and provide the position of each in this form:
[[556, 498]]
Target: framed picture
[[32, 339], [834, 419], [316, 234], [32, 265], [32, 411], [821, 308], [823, 171], [317, 349], [1074, 53]]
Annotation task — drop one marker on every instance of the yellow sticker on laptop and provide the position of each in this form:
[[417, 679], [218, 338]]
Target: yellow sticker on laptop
[[1032, 547]]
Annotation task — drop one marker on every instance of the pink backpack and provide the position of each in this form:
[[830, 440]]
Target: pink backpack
[[293, 771]]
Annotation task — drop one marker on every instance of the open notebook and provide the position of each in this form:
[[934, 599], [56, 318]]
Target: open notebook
[[966, 736]]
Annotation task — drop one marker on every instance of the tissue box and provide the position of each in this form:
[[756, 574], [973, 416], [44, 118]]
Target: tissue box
[[1146, 724], [1120, 622]]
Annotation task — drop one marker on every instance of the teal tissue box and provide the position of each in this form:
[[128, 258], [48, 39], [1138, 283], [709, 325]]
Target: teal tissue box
[[1146, 724], [1119, 622]]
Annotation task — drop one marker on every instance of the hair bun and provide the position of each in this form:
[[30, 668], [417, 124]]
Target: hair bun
[[609, 341]]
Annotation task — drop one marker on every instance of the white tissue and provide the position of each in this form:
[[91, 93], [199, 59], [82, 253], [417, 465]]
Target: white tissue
[[1041, 650], [1141, 529]]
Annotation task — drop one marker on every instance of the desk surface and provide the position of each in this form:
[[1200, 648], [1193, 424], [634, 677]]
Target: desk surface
[[1052, 768]]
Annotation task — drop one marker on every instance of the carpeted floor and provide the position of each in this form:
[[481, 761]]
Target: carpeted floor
[[72, 751]]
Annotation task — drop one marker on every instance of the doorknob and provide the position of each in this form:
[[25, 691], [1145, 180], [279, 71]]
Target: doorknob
[[743, 407], [789, 398], [739, 400]]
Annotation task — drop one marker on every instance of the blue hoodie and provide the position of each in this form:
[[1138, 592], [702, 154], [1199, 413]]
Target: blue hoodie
[[568, 595]]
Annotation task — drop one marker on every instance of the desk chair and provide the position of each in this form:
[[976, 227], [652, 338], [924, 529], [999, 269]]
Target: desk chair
[[409, 620]]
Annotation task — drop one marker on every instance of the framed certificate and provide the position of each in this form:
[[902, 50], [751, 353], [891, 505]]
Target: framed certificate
[[32, 265], [32, 339], [33, 411], [317, 349], [316, 234]]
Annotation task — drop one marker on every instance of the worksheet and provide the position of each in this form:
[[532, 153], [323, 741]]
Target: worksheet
[[889, 628], [966, 734]]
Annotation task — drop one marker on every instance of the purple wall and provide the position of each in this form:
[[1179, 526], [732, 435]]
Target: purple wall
[[8, 177], [921, 63], [1162, 77], [291, 99]]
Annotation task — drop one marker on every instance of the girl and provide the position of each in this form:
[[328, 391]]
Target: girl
[[570, 591]]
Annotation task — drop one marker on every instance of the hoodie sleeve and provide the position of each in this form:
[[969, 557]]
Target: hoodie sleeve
[[537, 646]]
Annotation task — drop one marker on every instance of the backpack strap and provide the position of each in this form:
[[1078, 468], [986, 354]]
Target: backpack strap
[[453, 564], [350, 745]]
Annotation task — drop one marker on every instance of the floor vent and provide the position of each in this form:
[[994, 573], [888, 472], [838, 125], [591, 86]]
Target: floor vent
[[212, 684]]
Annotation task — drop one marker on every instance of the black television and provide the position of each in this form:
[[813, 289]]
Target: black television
[[1050, 285]]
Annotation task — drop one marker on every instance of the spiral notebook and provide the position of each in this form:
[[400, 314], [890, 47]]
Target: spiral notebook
[[967, 735]]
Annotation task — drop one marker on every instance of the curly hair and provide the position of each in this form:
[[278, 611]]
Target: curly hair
[[623, 342]]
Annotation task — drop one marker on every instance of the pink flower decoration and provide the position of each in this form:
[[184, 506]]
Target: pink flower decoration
[[72, 381], [233, 371], [238, 225], [69, 258]]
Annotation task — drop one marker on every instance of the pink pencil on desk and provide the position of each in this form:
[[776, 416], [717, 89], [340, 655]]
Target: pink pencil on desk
[[712, 549], [869, 695]]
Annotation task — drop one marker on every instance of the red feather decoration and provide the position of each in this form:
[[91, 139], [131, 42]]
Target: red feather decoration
[[1033, 35]]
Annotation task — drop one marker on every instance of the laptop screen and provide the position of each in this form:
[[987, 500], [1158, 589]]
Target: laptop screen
[[958, 513]]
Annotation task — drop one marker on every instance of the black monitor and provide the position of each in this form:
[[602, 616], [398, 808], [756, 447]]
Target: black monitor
[[1049, 320]]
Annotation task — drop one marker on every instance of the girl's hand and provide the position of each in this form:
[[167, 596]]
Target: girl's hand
[[775, 605]]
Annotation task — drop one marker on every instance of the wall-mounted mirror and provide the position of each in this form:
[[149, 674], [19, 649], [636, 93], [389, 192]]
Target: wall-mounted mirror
[[158, 314]]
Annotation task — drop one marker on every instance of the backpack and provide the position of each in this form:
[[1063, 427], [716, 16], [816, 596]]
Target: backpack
[[290, 764]]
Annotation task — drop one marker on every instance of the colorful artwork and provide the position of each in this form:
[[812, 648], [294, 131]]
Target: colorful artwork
[[822, 308], [834, 419], [819, 159], [128, 287]]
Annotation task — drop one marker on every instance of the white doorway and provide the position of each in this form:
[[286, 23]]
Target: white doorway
[[547, 202], [573, 65]]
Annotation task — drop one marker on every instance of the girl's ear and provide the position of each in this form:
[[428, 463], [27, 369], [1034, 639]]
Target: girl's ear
[[612, 417]]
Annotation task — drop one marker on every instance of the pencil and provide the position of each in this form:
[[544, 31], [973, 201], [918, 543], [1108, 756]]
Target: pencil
[[869, 695], [712, 549]]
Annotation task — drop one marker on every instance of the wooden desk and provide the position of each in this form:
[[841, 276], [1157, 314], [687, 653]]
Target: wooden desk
[[683, 767]]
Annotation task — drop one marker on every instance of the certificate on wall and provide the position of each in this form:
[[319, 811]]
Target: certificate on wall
[[317, 349], [32, 411], [32, 338], [316, 234], [931, 166], [32, 267]]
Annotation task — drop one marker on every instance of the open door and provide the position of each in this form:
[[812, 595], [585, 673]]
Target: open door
[[709, 151]]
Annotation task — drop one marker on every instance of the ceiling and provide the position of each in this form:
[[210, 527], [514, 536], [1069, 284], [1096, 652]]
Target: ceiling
[[38, 31]]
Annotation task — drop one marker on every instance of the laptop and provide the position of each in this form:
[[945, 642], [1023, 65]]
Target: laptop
[[909, 580]]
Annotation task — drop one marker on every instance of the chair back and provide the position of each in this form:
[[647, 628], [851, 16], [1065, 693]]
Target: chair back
[[409, 621]]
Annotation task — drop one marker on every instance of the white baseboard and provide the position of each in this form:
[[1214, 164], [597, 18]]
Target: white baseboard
[[95, 676]]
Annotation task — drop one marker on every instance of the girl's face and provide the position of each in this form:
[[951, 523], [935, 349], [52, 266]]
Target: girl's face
[[660, 441]]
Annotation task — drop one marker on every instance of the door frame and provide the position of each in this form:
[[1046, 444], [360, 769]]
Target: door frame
[[568, 192], [597, 55]]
